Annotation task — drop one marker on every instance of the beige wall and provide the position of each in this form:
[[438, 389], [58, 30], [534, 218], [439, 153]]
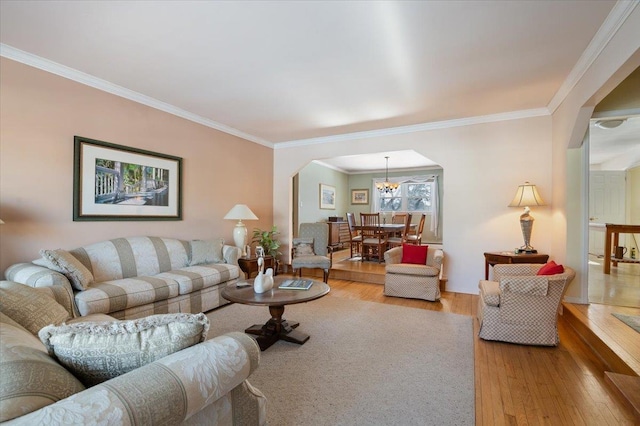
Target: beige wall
[[39, 115]]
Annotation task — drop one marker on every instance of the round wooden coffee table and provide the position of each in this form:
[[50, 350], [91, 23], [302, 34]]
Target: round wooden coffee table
[[277, 328]]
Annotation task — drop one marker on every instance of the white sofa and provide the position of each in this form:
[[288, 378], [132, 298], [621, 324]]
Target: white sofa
[[134, 277], [203, 384]]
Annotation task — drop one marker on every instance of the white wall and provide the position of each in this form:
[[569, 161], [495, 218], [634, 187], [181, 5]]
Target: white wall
[[484, 164], [570, 121]]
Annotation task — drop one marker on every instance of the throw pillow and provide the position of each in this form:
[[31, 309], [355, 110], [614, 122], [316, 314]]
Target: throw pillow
[[98, 351], [551, 268], [62, 261], [29, 307], [303, 247], [206, 251], [414, 254]]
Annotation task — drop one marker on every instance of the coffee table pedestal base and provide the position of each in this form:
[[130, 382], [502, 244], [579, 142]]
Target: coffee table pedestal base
[[277, 328]]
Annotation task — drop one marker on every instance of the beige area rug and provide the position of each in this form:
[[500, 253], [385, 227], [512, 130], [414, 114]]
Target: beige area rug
[[632, 321], [365, 364]]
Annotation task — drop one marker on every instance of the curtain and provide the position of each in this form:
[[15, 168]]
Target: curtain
[[435, 202]]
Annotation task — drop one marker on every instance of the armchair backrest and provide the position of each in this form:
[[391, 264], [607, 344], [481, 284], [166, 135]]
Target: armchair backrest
[[529, 298], [320, 234], [351, 220]]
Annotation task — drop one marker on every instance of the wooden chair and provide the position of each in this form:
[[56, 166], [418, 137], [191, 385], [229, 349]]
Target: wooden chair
[[416, 238], [397, 241], [399, 218], [355, 239], [374, 239]]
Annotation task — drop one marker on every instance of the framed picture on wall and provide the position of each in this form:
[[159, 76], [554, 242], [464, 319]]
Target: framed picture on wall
[[116, 182], [359, 196], [327, 197]]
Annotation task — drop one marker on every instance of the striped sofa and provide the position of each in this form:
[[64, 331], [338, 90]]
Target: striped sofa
[[133, 277]]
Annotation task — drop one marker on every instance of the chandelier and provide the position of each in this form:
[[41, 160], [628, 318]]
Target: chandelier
[[386, 186]]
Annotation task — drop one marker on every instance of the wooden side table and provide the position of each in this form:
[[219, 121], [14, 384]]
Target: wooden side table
[[499, 257], [249, 265]]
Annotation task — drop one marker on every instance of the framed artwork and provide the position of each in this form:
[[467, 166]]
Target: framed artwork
[[116, 182], [359, 196], [327, 197]]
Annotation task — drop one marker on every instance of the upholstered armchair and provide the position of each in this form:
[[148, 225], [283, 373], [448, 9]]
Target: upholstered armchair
[[311, 249], [413, 280], [520, 306]]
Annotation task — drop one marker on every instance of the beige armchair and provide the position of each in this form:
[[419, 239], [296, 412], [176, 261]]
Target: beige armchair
[[411, 280], [520, 306]]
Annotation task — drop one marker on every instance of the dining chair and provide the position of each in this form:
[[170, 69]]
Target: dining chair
[[397, 241], [399, 218], [355, 239], [374, 238], [416, 238]]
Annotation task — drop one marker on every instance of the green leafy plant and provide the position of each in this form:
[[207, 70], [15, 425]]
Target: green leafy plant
[[267, 240]]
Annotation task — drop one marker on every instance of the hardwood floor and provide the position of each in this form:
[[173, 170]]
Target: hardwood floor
[[517, 384]]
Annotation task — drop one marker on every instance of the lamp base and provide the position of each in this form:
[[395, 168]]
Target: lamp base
[[240, 236], [527, 250]]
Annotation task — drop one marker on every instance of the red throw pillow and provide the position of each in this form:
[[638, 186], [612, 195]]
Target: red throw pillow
[[414, 254], [551, 268]]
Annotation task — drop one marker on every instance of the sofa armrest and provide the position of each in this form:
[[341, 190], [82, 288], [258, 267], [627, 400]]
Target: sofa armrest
[[393, 255], [167, 391], [47, 281], [231, 254], [438, 257], [34, 275]]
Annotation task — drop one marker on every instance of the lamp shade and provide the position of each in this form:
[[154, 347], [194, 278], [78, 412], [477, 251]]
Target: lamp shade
[[241, 212], [527, 195]]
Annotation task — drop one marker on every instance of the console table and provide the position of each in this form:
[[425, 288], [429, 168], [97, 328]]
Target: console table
[[499, 257], [609, 243]]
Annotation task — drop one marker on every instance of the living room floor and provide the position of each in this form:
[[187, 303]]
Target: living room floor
[[517, 384]]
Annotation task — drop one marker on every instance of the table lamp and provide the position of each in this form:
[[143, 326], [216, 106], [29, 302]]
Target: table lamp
[[240, 212], [526, 195]]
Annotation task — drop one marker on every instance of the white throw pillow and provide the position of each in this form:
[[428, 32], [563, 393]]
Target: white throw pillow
[[98, 351], [206, 251]]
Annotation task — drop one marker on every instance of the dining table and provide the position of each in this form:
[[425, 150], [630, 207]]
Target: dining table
[[388, 228]]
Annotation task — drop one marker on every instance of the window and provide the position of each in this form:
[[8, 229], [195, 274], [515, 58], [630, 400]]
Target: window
[[409, 197]]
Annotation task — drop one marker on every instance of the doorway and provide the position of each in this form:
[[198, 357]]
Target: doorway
[[614, 194]]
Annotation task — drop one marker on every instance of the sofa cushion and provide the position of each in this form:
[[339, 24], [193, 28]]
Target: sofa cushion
[[551, 268], [411, 269], [62, 261], [206, 251], [303, 247], [30, 379], [30, 307], [98, 351], [116, 295], [415, 254], [132, 257], [194, 278]]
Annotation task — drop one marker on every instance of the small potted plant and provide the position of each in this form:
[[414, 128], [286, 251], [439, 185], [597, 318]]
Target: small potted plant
[[267, 240]]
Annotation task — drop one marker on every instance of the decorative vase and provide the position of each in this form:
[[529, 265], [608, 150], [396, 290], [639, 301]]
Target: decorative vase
[[263, 282]]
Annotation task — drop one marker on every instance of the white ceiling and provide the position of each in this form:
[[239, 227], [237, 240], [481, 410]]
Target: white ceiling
[[283, 71]]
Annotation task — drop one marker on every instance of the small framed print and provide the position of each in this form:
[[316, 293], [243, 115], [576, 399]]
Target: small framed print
[[327, 197], [359, 196]]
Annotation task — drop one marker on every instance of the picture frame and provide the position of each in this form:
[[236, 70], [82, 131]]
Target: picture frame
[[119, 183], [327, 197], [359, 196]]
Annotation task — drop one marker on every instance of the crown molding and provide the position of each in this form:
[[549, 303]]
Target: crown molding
[[460, 122], [618, 15], [100, 84]]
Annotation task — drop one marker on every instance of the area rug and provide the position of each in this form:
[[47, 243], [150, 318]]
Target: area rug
[[365, 364], [632, 321]]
